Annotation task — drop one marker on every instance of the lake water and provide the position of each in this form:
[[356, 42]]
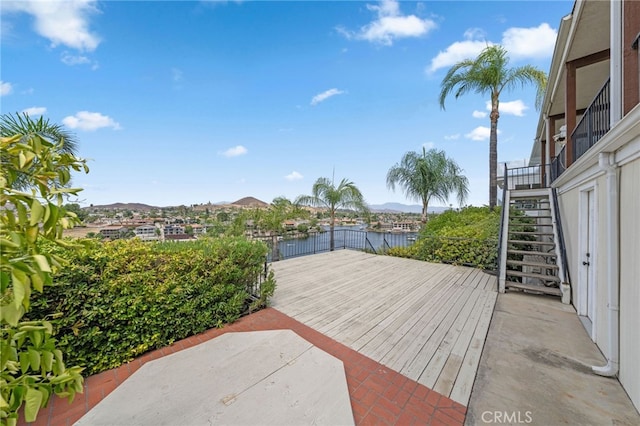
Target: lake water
[[344, 237]]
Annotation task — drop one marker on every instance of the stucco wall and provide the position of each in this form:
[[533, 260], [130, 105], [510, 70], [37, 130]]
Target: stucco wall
[[630, 280]]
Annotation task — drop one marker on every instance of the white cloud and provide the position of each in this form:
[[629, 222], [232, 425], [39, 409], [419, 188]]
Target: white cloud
[[35, 111], [535, 42], [69, 59], [390, 25], [85, 120], [480, 133], [458, 51], [235, 151], [293, 176], [516, 107], [428, 145], [325, 95], [479, 114], [452, 137], [62, 22], [5, 88]]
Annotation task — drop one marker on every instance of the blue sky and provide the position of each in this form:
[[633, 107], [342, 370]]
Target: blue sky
[[190, 102]]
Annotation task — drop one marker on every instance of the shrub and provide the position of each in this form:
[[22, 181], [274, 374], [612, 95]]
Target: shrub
[[465, 237], [123, 298]]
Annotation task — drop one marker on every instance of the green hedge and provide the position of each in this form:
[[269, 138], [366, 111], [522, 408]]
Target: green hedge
[[465, 237], [115, 301]]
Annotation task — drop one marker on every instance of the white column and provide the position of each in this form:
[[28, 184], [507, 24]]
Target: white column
[[615, 62]]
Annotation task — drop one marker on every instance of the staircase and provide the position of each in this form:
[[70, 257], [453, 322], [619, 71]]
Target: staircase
[[532, 258], [530, 237]]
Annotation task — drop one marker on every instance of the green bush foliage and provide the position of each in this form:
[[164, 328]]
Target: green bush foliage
[[120, 299], [465, 237], [35, 178]]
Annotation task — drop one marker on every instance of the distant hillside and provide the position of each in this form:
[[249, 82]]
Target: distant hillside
[[250, 202], [403, 208], [124, 206]]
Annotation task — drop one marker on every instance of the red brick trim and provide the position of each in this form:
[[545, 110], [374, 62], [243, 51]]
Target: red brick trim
[[379, 395]]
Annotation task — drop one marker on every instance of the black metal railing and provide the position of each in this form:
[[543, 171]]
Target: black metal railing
[[593, 125], [529, 177], [558, 164], [561, 246], [285, 247], [503, 209]]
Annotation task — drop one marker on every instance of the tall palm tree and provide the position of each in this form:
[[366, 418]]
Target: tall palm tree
[[325, 194], [428, 175], [24, 125], [489, 74]]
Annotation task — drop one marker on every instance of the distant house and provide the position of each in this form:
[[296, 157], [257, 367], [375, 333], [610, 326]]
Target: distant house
[[198, 229], [113, 232], [290, 225], [405, 226], [147, 233], [173, 229]]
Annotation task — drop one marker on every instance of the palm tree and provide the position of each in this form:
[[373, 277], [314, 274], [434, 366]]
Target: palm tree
[[489, 74], [429, 175], [325, 194], [24, 125]]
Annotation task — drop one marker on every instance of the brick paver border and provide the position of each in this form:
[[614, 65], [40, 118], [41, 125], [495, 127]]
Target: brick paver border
[[379, 395]]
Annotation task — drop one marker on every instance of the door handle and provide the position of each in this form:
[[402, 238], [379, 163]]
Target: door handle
[[586, 263]]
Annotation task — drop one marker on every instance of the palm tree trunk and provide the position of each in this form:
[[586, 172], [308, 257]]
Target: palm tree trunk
[[493, 155], [425, 205], [331, 226]]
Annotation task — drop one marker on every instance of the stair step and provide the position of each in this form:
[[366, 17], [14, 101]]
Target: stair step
[[542, 234], [535, 288], [534, 264], [533, 243], [530, 217], [530, 224], [512, 273], [526, 209], [530, 252]]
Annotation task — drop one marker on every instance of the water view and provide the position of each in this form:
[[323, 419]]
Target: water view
[[344, 238]]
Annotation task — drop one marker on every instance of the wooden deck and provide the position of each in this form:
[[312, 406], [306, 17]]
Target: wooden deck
[[427, 321]]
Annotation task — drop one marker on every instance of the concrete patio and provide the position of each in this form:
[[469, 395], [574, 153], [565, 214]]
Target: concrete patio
[[417, 343]]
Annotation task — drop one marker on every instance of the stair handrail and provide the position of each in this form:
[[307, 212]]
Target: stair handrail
[[503, 234], [563, 266]]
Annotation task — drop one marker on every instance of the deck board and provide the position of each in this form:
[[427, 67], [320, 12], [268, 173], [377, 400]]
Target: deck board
[[427, 321]]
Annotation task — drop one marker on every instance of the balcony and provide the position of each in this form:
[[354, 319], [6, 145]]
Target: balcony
[[594, 124]]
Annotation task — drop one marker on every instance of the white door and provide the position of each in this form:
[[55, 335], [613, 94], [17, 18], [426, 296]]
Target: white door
[[587, 284]]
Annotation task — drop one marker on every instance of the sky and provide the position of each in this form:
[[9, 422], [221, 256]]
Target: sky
[[190, 102]]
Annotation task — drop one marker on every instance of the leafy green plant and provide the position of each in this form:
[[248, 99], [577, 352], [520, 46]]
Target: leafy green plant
[[31, 364], [123, 298], [465, 237]]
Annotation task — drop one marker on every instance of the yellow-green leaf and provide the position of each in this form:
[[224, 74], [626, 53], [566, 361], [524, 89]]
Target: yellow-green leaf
[[42, 262], [19, 290], [38, 282], [34, 359], [47, 360], [22, 160], [3, 403], [32, 234], [37, 212], [33, 402], [24, 362], [36, 338], [11, 314]]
